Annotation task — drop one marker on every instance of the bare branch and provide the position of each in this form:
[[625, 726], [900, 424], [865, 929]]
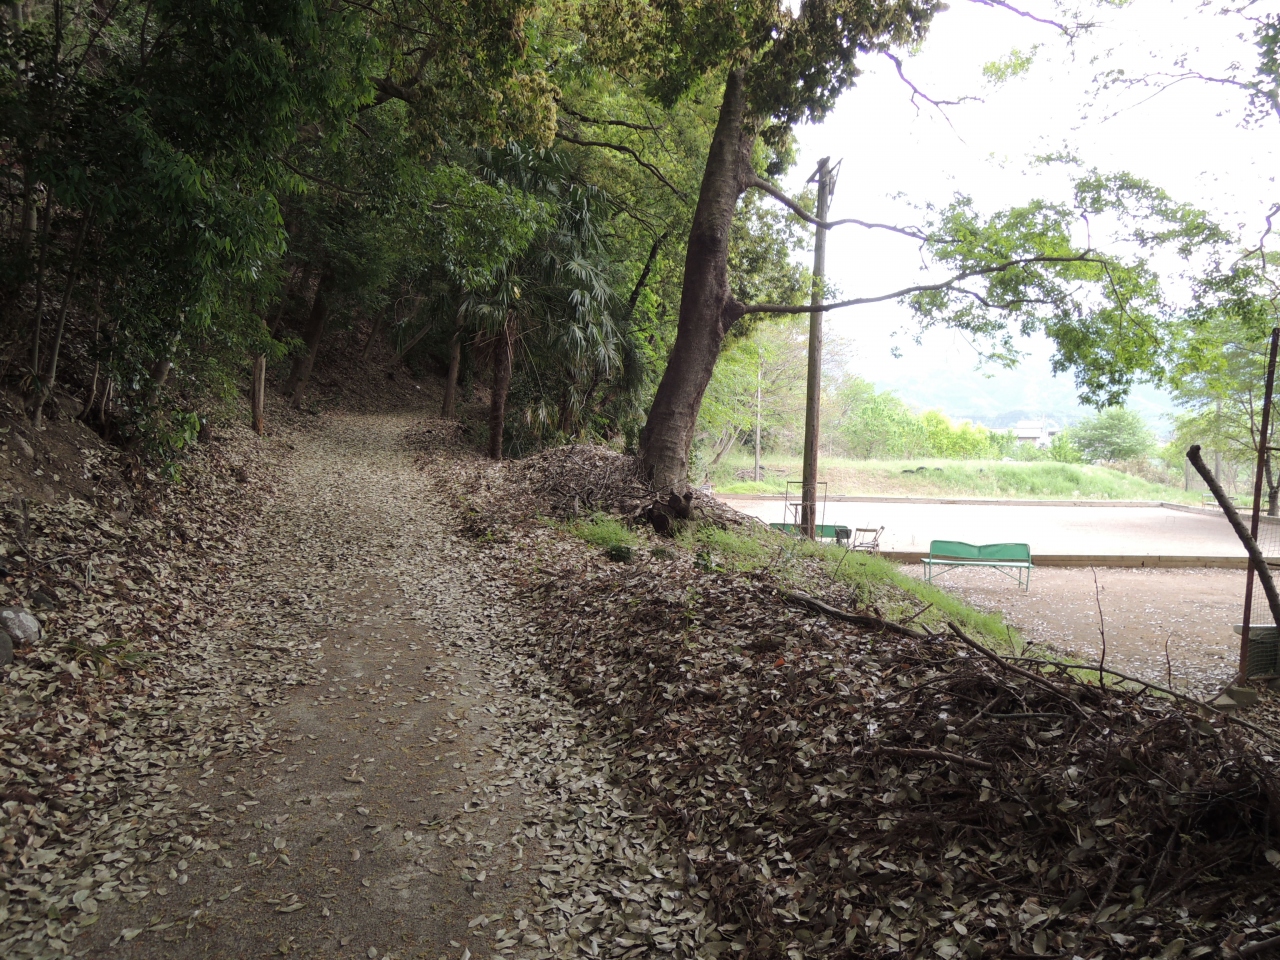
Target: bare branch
[[952, 283], [762, 184], [611, 123], [917, 92], [623, 148], [1170, 80], [1071, 31]]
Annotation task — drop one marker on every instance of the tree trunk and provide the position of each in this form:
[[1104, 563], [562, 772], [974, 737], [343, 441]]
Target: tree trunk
[[296, 385], [257, 394], [723, 445], [40, 272], [373, 336], [498, 397], [45, 386], [707, 307], [449, 406]]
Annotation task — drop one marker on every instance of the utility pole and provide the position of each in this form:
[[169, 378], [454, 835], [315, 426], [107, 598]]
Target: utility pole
[[813, 395], [759, 377]]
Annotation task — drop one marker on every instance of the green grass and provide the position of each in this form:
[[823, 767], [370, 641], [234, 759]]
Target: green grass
[[603, 531], [993, 479], [875, 580]]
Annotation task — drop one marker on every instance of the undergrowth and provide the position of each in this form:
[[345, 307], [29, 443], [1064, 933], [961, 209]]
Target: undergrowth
[[876, 583], [604, 531]]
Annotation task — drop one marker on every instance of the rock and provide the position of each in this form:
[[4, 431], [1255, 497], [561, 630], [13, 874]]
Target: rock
[[6, 649], [26, 448], [20, 625], [44, 600]]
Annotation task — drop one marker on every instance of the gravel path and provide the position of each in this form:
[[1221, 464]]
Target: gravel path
[[418, 797]]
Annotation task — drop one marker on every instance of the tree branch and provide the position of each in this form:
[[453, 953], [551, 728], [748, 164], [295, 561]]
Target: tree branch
[[950, 284], [1069, 31], [761, 184], [323, 182], [623, 148], [611, 123], [917, 92]]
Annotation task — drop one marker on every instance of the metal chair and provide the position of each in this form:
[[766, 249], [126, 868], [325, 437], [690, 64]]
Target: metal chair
[[866, 540]]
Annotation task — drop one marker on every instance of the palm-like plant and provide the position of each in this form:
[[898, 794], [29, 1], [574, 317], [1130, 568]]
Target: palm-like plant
[[554, 304]]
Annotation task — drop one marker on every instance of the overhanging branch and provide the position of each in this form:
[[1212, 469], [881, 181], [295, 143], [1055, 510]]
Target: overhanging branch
[[917, 92], [949, 284], [623, 148], [610, 123], [1071, 31], [761, 184]]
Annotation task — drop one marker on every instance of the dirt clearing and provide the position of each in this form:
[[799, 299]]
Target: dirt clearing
[[1142, 608]]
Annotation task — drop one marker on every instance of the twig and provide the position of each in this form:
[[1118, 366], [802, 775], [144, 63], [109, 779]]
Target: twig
[[937, 755], [917, 613], [1027, 674], [1168, 664], [1111, 885], [862, 620], [1249, 949], [1102, 628]]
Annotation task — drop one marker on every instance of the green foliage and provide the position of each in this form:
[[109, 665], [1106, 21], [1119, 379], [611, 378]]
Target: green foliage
[[602, 530], [1063, 450], [1014, 64], [1036, 269], [1115, 433]]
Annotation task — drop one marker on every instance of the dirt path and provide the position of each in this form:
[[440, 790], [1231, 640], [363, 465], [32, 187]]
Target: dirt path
[[384, 821], [1192, 610]]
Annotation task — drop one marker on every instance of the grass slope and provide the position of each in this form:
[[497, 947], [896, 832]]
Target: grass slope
[[854, 581], [950, 478]]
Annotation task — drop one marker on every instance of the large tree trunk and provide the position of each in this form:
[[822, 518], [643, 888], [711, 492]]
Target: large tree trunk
[[498, 397], [300, 372], [707, 307]]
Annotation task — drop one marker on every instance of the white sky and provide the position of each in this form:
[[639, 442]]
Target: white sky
[[1188, 140]]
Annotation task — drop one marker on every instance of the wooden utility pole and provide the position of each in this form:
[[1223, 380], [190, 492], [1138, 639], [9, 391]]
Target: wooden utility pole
[[813, 394]]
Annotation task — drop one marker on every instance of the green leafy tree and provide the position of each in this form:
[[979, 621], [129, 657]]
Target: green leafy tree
[[1115, 433]]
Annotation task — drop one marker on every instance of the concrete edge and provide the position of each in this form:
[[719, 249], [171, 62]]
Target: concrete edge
[[981, 502], [1116, 560]]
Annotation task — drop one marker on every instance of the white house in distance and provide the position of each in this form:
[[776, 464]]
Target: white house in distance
[[1038, 432]]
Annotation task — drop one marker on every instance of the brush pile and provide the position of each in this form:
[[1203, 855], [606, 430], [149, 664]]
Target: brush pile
[[832, 792]]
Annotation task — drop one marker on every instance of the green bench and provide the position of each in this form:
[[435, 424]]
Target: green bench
[[1004, 557], [823, 531]]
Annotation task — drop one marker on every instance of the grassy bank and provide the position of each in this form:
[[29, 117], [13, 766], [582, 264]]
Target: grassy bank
[[854, 580], [950, 478]]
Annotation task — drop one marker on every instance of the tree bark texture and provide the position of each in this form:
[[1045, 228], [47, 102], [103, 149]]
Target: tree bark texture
[[257, 394], [498, 396], [707, 307], [300, 373]]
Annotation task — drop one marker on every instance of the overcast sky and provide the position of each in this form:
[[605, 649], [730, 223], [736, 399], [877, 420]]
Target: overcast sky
[[1188, 139]]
